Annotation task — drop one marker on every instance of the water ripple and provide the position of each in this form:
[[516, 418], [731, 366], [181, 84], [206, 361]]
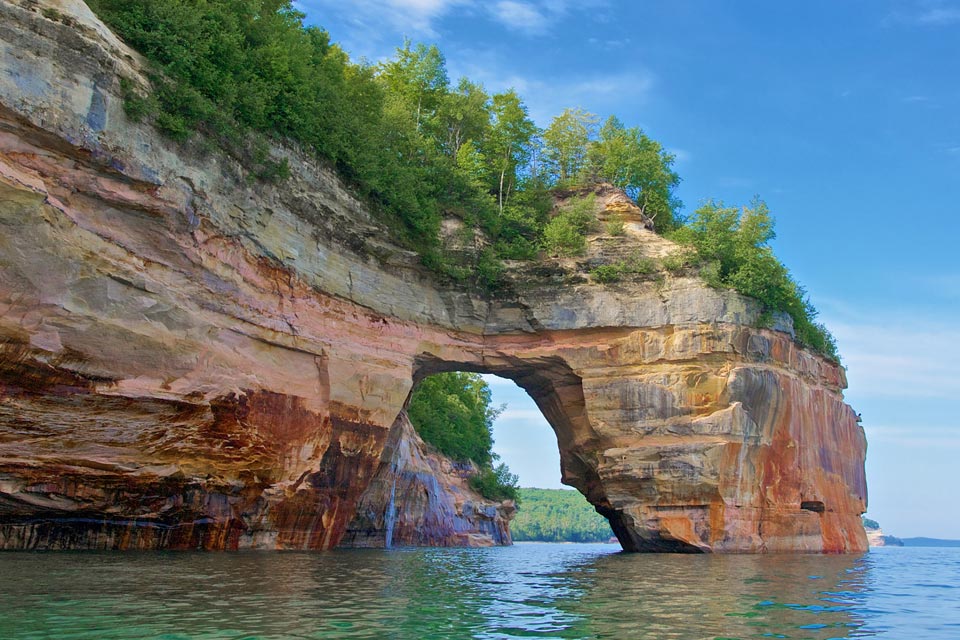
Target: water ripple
[[528, 591]]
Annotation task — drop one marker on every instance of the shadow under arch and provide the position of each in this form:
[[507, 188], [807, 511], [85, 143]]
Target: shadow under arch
[[558, 393]]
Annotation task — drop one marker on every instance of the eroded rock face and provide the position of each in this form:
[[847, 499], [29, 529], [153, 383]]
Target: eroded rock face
[[189, 360], [421, 498]]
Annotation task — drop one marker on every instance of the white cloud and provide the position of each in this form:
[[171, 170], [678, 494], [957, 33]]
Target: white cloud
[[899, 357], [927, 13], [412, 17], [374, 21], [938, 16], [920, 436], [520, 16], [535, 17], [546, 97]]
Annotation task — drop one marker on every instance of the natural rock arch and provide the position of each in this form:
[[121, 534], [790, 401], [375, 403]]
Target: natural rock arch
[[189, 360]]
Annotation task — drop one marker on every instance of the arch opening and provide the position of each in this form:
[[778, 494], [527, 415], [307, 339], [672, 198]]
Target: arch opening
[[554, 390]]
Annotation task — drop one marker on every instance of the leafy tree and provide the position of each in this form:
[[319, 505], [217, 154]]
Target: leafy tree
[[497, 483], [417, 74], [566, 141], [452, 412], [464, 116], [629, 159], [732, 245], [507, 147]]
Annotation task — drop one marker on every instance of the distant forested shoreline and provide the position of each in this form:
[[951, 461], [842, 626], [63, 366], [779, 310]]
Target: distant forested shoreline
[[557, 515]]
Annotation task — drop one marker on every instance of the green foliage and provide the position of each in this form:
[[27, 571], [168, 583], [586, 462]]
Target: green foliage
[[630, 160], [496, 483], [558, 515], [679, 261], [870, 524], [566, 141], [608, 272], [563, 239], [245, 72], [566, 233], [732, 245], [616, 226], [489, 270], [452, 412], [136, 106], [635, 265]]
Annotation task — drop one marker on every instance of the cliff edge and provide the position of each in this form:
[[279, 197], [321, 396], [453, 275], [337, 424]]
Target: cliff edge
[[189, 359]]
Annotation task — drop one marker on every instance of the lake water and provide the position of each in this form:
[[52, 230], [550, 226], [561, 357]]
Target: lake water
[[525, 591]]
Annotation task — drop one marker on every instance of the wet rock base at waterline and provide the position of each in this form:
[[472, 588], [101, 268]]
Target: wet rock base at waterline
[[189, 359]]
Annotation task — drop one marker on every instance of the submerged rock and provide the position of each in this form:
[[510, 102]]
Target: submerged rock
[[192, 360]]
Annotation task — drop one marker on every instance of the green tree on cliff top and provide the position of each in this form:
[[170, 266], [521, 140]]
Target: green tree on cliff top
[[452, 412]]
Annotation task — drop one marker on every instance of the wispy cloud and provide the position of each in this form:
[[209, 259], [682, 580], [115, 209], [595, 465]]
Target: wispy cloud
[[411, 17], [373, 21], [546, 97], [535, 17], [919, 435], [899, 357], [939, 16], [521, 16], [926, 13]]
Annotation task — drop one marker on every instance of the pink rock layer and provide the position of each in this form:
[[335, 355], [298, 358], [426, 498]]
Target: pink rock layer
[[189, 359]]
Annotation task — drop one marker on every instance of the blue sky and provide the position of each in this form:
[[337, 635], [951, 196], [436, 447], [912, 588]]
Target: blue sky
[[842, 115]]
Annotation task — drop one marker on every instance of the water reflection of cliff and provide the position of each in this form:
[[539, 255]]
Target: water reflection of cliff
[[529, 590]]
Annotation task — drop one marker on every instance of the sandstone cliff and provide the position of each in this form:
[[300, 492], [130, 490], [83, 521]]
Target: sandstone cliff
[[421, 498], [192, 360], [877, 538]]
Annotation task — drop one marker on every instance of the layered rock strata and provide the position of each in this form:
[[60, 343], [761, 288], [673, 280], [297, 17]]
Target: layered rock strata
[[418, 497], [189, 359]]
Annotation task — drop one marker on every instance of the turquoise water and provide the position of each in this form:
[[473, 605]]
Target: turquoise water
[[525, 591]]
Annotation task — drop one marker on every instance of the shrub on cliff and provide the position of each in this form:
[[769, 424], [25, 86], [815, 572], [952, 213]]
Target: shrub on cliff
[[413, 144], [418, 148], [566, 233], [496, 483], [732, 246], [452, 412]]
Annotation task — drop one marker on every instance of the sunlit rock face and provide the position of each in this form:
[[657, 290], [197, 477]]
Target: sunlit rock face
[[192, 360], [421, 498]]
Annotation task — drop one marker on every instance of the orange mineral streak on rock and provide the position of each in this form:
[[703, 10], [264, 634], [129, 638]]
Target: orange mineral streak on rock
[[191, 360]]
